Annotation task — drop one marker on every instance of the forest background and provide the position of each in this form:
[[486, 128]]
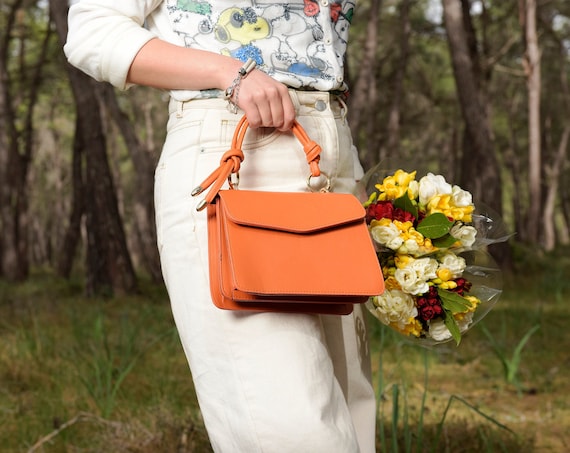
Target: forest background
[[477, 90]]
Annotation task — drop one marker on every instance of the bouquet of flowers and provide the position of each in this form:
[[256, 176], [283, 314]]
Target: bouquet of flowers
[[438, 282]]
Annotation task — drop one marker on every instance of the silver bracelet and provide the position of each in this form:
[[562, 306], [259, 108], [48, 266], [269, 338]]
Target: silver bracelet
[[233, 89]]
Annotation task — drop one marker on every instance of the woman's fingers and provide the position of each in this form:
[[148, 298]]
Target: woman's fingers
[[266, 102]]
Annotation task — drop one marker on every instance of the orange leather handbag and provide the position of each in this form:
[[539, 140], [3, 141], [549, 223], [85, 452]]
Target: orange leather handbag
[[306, 252]]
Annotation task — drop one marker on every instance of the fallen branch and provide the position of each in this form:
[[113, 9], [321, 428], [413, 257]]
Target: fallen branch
[[79, 417]]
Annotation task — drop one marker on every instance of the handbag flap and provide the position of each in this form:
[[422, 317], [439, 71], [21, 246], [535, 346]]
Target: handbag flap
[[294, 212], [331, 258]]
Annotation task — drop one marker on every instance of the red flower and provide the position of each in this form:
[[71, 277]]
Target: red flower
[[386, 210], [379, 210], [429, 306], [430, 311], [462, 286], [403, 216]]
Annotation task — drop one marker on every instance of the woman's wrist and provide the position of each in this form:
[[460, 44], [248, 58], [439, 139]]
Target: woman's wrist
[[231, 93]]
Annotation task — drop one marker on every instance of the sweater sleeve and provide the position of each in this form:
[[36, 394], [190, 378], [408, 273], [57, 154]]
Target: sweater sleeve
[[105, 36]]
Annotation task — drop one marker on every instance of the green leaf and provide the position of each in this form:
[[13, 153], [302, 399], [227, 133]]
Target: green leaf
[[452, 326], [453, 302], [435, 226], [444, 242], [406, 204]]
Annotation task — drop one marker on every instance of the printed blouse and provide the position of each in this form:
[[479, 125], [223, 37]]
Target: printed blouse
[[301, 43]]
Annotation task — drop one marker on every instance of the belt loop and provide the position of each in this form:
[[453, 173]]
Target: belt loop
[[179, 109], [344, 108], [295, 99]]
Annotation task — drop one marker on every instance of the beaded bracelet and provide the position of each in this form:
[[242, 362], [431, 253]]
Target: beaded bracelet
[[233, 89]]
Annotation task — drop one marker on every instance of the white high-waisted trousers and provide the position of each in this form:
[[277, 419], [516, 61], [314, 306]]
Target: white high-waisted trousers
[[265, 382]]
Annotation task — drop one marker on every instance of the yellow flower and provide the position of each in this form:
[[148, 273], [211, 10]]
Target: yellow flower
[[412, 233], [444, 204], [382, 222], [414, 327], [391, 283], [395, 186], [474, 302], [401, 261], [439, 203], [448, 285], [403, 226], [444, 274]]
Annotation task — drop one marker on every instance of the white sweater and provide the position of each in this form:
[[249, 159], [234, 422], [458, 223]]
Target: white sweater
[[301, 43]]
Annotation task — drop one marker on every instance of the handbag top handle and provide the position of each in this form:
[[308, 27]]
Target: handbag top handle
[[232, 159]]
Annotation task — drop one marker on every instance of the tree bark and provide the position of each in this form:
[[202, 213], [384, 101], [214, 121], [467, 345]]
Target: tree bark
[[8, 157], [72, 235], [393, 132], [17, 144], [109, 266], [553, 176], [532, 69], [363, 94], [479, 167], [144, 224], [565, 208], [480, 171]]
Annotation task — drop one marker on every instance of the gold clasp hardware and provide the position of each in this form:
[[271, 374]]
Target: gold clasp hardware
[[326, 187]]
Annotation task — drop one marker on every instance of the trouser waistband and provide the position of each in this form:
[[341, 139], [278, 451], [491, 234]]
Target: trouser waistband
[[318, 101]]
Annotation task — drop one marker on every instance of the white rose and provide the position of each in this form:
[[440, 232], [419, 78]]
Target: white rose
[[425, 268], [454, 263], [466, 234], [432, 185], [460, 197], [395, 307], [387, 235], [410, 247], [410, 281], [438, 331]]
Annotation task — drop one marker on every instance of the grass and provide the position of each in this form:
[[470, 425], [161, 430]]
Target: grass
[[504, 389], [106, 375], [91, 375]]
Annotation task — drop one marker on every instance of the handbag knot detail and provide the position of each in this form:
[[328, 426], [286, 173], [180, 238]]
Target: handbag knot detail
[[233, 156], [313, 151], [232, 159]]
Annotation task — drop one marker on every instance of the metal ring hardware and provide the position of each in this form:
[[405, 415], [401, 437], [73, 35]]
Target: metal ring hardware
[[233, 180], [325, 188]]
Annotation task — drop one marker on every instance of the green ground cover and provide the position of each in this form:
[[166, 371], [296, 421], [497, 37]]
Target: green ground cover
[[84, 375]]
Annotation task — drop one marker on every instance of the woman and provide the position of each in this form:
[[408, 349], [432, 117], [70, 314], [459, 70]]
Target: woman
[[265, 382]]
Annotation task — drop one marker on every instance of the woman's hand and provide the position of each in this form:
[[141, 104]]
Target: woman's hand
[[265, 101]]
